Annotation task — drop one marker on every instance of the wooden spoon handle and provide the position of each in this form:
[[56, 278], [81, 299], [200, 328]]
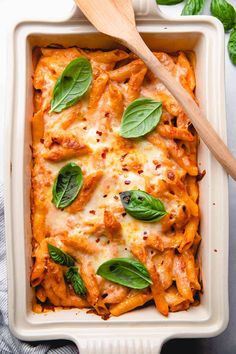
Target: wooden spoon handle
[[201, 124]]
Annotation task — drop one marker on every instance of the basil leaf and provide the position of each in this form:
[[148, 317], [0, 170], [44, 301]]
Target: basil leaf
[[60, 257], [140, 117], [72, 84], [193, 7], [232, 46], [125, 271], [67, 185], [225, 12], [72, 276], [168, 2], [142, 206]]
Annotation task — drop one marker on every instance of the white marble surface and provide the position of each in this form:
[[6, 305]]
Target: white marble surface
[[10, 10]]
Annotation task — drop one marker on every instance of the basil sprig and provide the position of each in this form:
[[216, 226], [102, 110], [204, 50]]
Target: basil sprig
[[67, 185], [168, 2], [193, 7], [142, 206], [72, 84], [140, 117], [60, 257], [125, 271], [225, 12], [72, 276], [232, 46]]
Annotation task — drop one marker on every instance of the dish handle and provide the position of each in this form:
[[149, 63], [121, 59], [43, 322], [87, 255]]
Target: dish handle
[[144, 10], [120, 344], [147, 10]]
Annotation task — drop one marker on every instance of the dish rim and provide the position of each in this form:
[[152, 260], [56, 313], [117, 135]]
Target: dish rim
[[173, 331]]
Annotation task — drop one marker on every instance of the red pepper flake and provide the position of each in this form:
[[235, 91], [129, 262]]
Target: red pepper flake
[[98, 140], [98, 240], [99, 133], [156, 163], [126, 248], [171, 175], [116, 197], [215, 250], [123, 156], [85, 128], [127, 182], [108, 242], [105, 195], [145, 238], [123, 214], [125, 169], [104, 155], [145, 232], [42, 141], [140, 171], [92, 212], [213, 203]]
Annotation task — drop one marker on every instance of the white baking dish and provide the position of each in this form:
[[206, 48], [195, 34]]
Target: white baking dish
[[145, 330]]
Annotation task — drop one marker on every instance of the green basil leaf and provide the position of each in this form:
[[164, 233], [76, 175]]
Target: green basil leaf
[[225, 12], [67, 185], [193, 7], [125, 271], [60, 257], [142, 206], [232, 46], [72, 276], [72, 84], [168, 2], [140, 117]]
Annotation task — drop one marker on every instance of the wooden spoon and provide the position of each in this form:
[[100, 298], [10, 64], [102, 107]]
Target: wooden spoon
[[116, 18]]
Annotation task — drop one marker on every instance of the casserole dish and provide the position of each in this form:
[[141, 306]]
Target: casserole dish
[[145, 330]]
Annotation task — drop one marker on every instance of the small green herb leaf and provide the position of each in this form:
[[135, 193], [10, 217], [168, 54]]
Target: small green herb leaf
[[168, 2], [72, 84], [72, 276], [193, 7], [125, 271], [142, 206], [232, 46], [225, 12], [140, 117], [67, 185], [60, 257]]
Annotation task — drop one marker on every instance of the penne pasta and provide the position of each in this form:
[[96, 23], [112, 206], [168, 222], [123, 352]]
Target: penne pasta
[[97, 90], [181, 278], [114, 198], [189, 234], [124, 72], [130, 304]]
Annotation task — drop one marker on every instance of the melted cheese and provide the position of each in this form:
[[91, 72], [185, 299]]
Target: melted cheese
[[126, 165]]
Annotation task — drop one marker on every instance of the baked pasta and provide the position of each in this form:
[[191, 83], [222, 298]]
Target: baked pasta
[[115, 214]]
